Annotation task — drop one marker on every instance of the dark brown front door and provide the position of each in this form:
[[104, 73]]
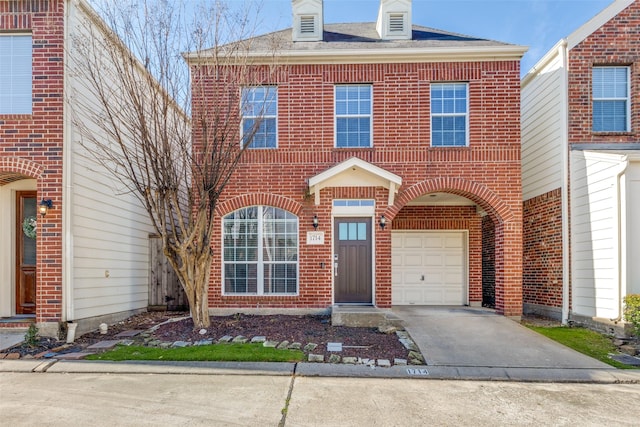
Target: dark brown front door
[[26, 210], [352, 261]]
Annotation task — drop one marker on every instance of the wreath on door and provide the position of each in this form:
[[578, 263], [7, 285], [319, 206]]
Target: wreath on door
[[29, 227]]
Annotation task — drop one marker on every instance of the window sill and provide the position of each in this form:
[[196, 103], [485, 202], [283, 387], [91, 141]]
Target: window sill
[[613, 133]]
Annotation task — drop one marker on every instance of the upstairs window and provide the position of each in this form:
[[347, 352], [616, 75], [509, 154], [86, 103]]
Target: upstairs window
[[611, 99], [449, 114], [353, 116], [260, 251], [259, 116], [15, 74]]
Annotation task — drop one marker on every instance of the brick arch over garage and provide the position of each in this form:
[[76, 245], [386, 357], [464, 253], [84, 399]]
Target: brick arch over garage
[[254, 199], [507, 219], [495, 207], [16, 168]]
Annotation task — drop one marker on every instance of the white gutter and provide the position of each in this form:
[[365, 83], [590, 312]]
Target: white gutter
[[564, 192]]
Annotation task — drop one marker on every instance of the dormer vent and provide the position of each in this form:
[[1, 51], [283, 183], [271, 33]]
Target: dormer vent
[[307, 20], [394, 20]]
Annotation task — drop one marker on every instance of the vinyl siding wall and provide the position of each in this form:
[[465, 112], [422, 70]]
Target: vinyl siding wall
[[108, 226], [594, 230], [542, 131]]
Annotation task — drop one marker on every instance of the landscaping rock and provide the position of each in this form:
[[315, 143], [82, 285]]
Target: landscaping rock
[[295, 346], [272, 344], [181, 344], [350, 360], [628, 349], [317, 358], [259, 338], [400, 362], [387, 329], [164, 345], [415, 358], [283, 345], [384, 363], [310, 347], [334, 358], [203, 342], [226, 338], [240, 339]]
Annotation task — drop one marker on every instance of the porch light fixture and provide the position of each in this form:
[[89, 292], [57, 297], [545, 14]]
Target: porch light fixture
[[44, 206], [383, 222], [315, 222]]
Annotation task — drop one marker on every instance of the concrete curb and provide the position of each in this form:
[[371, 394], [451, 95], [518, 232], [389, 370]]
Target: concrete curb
[[467, 373]]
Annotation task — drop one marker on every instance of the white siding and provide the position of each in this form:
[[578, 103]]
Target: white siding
[[594, 230], [108, 226], [542, 137]]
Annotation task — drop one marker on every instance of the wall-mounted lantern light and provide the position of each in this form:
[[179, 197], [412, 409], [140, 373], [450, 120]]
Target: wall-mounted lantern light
[[44, 206], [383, 222], [315, 222]]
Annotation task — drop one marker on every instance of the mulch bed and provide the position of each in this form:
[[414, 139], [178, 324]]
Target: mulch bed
[[365, 342]]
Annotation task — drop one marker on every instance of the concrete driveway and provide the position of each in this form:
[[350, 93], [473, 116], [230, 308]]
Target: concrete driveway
[[477, 337]]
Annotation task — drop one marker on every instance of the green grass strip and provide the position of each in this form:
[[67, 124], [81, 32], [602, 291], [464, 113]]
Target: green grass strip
[[215, 352], [585, 341]]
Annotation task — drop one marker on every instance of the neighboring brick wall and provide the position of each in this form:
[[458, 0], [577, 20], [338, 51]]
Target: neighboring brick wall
[[542, 250], [615, 43], [487, 172], [488, 262], [32, 144]]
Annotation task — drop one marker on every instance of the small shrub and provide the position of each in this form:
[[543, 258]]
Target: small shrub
[[31, 337], [632, 311]]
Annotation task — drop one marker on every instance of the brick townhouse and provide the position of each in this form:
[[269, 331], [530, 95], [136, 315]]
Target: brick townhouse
[[386, 164], [581, 171]]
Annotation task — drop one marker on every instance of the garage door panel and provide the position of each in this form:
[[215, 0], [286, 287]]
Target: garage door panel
[[431, 272]]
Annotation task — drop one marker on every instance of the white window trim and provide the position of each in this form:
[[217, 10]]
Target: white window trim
[[627, 99], [466, 115], [260, 260], [264, 116], [352, 116]]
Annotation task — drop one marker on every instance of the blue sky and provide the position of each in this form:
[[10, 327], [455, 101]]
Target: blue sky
[[538, 24]]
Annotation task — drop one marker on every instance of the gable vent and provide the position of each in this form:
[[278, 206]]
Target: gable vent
[[396, 23], [307, 25]]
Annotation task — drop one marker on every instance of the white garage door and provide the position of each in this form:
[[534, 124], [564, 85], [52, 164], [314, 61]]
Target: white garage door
[[429, 267]]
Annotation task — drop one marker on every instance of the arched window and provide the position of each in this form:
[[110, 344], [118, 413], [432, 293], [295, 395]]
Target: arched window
[[260, 251]]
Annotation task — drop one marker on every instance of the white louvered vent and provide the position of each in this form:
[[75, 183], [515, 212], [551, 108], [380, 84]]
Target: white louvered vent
[[396, 23], [307, 24]]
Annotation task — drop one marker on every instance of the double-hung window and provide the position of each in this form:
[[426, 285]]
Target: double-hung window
[[15, 74], [259, 116], [353, 116], [260, 251], [611, 99], [449, 114]]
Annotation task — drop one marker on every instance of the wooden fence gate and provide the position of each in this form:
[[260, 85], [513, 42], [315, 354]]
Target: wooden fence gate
[[165, 290]]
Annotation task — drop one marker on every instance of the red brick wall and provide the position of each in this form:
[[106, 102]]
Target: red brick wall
[[487, 172], [542, 251], [32, 144], [615, 43]]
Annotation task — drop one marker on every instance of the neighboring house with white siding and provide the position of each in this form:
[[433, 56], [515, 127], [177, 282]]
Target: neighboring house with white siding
[[581, 171], [88, 260]]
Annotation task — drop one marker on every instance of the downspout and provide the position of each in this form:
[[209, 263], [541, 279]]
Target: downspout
[[67, 177], [621, 230], [564, 131]]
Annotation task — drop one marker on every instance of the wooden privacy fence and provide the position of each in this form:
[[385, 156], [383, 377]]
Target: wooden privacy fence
[[165, 290]]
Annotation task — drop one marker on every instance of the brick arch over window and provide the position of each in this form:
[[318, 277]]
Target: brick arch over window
[[495, 207], [254, 199], [16, 168]]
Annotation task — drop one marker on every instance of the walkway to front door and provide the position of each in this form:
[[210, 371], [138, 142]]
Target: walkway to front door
[[352, 261]]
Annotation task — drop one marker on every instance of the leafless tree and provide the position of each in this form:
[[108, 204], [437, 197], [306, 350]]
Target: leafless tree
[[136, 78]]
